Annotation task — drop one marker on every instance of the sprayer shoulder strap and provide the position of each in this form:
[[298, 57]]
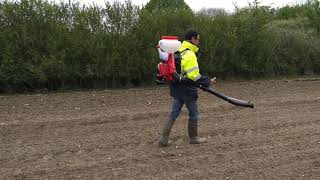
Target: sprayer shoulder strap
[[178, 56], [184, 52]]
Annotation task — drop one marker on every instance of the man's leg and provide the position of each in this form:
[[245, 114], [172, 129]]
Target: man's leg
[[176, 109], [193, 123]]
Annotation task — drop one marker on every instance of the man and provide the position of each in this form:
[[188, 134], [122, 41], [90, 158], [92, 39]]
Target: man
[[184, 93]]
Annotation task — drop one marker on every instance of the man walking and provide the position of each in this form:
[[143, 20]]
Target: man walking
[[183, 93]]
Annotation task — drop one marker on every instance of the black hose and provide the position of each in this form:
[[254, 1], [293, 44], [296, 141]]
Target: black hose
[[231, 100]]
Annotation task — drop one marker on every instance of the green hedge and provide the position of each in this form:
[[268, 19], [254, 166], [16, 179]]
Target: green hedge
[[57, 46]]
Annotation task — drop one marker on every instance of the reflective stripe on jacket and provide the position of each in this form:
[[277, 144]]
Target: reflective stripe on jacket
[[189, 62]]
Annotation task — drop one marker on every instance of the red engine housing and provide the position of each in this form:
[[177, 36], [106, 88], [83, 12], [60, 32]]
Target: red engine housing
[[168, 68]]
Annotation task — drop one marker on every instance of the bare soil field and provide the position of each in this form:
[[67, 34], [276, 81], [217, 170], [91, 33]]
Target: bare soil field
[[113, 134]]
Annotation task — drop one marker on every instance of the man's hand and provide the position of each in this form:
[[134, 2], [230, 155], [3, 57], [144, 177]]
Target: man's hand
[[213, 80]]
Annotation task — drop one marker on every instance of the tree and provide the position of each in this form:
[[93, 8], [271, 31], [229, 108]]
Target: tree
[[154, 6], [213, 11]]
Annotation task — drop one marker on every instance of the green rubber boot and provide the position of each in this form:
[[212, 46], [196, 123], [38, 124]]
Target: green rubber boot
[[166, 132], [193, 134]]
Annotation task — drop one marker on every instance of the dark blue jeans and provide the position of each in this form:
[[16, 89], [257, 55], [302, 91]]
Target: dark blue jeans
[[191, 106]]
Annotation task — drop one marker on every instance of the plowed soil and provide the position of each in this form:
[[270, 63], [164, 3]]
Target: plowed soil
[[113, 134]]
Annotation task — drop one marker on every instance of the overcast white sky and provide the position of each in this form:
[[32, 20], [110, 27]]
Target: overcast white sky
[[198, 4]]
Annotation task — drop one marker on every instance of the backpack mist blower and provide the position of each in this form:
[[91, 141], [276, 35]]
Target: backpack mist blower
[[168, 48]]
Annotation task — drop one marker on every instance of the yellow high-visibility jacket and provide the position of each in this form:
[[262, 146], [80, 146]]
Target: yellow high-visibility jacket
[[190, 70], [189, 62]]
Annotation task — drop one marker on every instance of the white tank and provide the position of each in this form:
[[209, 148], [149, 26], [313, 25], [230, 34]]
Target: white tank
[[169, 44], [164, 56]]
